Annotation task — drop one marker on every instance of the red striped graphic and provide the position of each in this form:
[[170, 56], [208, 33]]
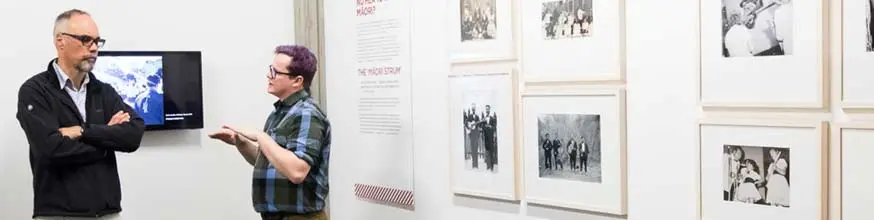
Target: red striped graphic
[[389, 196]]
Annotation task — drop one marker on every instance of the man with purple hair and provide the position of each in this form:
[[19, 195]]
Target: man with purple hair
[[291, 154]]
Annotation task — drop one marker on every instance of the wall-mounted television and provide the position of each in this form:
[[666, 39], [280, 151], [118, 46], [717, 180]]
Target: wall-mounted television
[[163, 87]]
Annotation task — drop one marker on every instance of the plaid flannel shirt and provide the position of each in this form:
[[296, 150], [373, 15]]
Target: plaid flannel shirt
[[298, 124]]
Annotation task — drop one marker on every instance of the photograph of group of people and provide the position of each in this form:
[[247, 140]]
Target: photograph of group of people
[[480, 137], [478, 20], [756, 175], [569, 147], [757, 28], [566, 19]]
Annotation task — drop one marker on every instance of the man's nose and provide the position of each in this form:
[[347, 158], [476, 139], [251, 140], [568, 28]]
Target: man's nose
[[93, 48]]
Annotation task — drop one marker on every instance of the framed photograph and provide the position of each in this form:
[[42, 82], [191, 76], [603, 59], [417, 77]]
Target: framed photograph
[[854, 141], [481, 30], [575, 149], [858, 56], [482, 127], [754, 169], [763, 54], [573, 40]]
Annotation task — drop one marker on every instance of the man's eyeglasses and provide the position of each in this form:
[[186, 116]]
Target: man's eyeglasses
[[87, 40], [273, 72]]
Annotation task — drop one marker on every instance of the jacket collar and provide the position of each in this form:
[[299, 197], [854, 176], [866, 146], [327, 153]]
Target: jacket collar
[[54, 77], [64, 80]]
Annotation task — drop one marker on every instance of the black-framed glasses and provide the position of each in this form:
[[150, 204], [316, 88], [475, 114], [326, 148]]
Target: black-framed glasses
[[273, 72], [88, 40]]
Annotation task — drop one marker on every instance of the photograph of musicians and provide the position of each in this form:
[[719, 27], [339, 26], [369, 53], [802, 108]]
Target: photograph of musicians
[[291, 154], [466, 133], [556, 160], [489, 138], [546, 144], [760, 22], [573, 145], [475, 135], [74, 124]]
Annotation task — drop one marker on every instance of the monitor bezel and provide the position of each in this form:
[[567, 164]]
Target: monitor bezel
[[198, 54]]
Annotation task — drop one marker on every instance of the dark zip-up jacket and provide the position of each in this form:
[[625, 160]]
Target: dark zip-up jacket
[[75, 177]]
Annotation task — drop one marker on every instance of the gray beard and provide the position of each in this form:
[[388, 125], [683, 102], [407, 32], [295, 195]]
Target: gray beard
[[85, 66]]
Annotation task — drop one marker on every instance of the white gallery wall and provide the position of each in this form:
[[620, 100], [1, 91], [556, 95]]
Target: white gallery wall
[[662, 67], [178, 174]]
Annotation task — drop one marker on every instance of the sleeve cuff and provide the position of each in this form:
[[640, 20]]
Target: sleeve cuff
[[306, 158]]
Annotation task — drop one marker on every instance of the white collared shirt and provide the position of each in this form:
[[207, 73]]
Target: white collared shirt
[[78, 95]]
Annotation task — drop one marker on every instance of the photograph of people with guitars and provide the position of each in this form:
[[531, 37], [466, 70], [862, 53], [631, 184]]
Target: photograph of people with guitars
[[757, 28], [480, 137]]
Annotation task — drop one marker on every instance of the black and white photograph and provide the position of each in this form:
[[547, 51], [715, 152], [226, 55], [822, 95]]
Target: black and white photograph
[[480, 137], [757, 28], [566, 19], [870, 26], [756, 175], [478, 20], [569, 147]]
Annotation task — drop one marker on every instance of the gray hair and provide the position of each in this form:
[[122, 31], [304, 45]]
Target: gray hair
[[61, 20]]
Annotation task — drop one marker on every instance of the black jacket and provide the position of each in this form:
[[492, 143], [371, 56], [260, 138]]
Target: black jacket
[[76, 178]]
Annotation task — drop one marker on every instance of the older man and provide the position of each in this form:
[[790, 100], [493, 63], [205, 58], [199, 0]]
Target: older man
[[73, 141], [291, 154]]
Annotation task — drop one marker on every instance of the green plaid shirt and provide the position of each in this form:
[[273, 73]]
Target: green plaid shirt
[[299, 125]]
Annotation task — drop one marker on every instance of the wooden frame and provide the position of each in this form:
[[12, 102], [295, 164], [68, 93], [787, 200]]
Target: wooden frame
[[582, 67], [823, 85], [821, 127], [853, 60], [611, 199], [840, 152], [508, 137]]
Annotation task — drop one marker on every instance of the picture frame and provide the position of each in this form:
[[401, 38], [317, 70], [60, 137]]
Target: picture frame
[[487, 35], [761, 58], [596, 181], [490, 93], [852, 139], [567, 41], [858, 55], [756, 175]]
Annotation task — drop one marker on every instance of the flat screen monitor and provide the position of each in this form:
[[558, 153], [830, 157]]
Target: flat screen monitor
[[163, 87]]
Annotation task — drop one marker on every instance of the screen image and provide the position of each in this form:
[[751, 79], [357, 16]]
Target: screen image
[[164, 88], [138, 81]]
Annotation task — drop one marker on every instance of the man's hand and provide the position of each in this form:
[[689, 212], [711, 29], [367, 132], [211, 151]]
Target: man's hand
[[118, 118], [251, 135], [73, 132], [226, 135]]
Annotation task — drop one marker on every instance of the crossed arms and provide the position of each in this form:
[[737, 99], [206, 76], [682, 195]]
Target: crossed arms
[[75, 145]]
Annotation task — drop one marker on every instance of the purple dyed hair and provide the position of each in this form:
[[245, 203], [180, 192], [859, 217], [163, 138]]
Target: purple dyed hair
[[303, 61]]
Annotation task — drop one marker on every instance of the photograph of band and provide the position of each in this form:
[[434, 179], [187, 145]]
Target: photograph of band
[[756, 175], [566, 19], [480, 137], [757, 28], [570, 147], [478, 20]]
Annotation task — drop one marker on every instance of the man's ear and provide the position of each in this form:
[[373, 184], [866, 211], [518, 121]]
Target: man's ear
[[299, 79]]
